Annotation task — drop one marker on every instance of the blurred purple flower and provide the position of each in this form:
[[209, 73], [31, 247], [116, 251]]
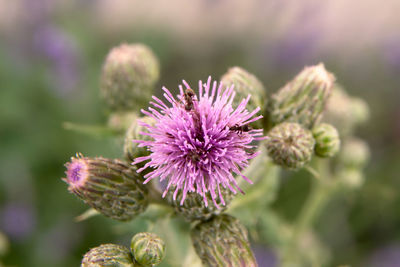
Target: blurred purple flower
[[387, 256], [57, 243], [265, 257], [197, 143], [296, 50], [17, 220], [297, 46], [62, 54], [391, 52]]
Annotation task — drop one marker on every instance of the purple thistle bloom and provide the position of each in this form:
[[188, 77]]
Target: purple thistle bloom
[[77, 172], [199, 141]]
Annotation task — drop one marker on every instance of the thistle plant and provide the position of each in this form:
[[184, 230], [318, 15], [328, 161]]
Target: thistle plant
[[202, 167]]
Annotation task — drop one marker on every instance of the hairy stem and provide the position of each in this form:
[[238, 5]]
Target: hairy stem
[[321, 192]]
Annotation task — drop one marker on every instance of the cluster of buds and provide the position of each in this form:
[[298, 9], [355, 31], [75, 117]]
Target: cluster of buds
[[295, 112], [147, 250], [199, 142], [195, 147], [303, 99]]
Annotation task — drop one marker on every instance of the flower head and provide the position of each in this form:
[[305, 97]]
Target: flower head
[[199, 142], [110, 186]]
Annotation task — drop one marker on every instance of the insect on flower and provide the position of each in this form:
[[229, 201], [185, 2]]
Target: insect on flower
[[188, 97], [199, 151], [240, 129]]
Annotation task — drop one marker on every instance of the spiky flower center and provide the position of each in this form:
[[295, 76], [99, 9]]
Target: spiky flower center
[[77, 172], [200, 141]]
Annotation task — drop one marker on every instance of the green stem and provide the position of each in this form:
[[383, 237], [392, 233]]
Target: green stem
[[321, 192], [312, 207]]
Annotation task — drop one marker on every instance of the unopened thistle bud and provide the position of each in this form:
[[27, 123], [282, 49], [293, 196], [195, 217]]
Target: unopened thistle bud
[[345, 112], [327, 141], [148, 249], [351, 178], [108, 255], [303, 99], [194, 207], [132, 149], [222, 241], [129, 74], [110, 186], [354, 153], [360, 110], [290, 145], [338, 111], [245, 83]]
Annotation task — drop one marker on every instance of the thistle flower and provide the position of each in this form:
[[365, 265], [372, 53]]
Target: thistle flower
[[245, 83], [108, 255], [303, 99], [327, 141], [128, 76], [200, 141], [290, 145], [112, 187], [148, 249], [222, 241]]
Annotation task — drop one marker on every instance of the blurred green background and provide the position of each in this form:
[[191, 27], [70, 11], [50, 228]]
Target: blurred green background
[[51, 53]]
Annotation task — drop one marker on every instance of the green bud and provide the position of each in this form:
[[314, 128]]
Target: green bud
[[110, 186], [327, 141], [108, 255], [354, 153], [245, 83], [222, 241], [338, 111], [194, 208], [360, 110], [290, 145], [132, 149], [351, 178], [148, 249], [303, 99], [129, 73], [345, 112]]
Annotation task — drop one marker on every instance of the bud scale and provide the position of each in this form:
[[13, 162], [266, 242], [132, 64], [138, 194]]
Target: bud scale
[[108, 255], [128, 76], [222, 241], [303, 99], [148, 249], [194, 207], [110, 186], [132, 149], [327, 141], [290, 145], [245, 83]]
